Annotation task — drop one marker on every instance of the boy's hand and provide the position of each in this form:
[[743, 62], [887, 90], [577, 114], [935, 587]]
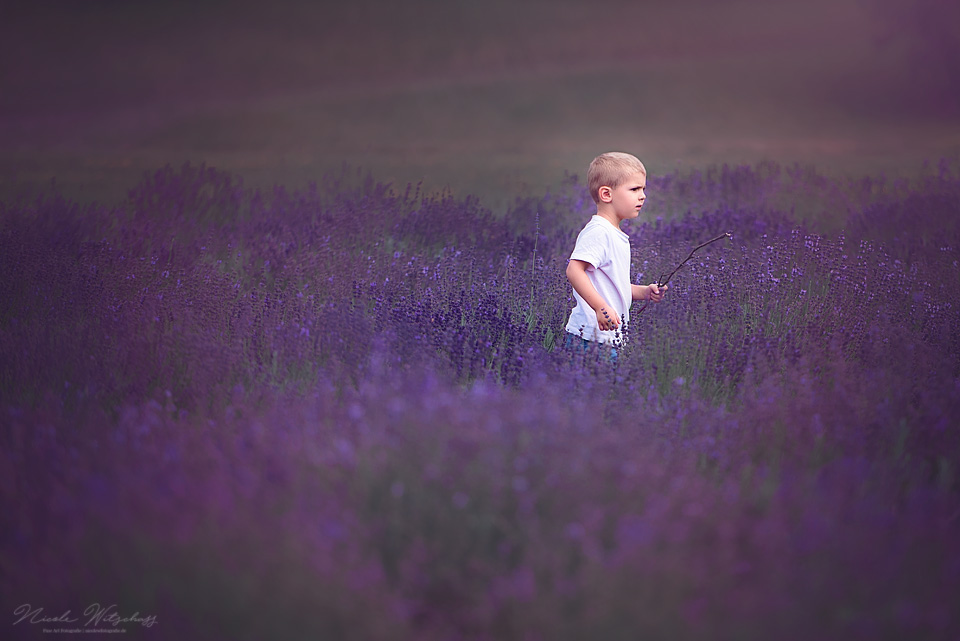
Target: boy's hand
[[607, 319], [656, 293]]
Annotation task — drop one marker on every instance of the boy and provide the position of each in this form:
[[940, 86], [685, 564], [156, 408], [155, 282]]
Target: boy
[[599, 267]]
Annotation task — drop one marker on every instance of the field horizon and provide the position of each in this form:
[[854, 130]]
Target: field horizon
[[499, 102]]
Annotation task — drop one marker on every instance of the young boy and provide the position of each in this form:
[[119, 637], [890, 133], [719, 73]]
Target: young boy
[[599, 267]]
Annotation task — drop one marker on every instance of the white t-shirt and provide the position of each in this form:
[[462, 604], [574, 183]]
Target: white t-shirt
[[607, 250]]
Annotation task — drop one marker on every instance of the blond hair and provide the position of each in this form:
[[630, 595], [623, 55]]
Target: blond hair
[[610, 170]]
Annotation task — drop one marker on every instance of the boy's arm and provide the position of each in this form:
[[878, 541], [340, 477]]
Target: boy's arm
[[577, 275], [650, 292]]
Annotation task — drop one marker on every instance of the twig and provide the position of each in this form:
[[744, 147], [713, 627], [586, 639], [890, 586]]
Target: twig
[[663, 281]]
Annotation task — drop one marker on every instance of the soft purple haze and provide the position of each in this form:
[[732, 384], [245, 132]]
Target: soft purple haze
[[491, 97]]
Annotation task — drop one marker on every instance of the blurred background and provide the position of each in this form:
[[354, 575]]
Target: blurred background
[[497, 98]]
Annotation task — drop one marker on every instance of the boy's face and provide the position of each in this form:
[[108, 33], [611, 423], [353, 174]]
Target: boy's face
[[626, 200]]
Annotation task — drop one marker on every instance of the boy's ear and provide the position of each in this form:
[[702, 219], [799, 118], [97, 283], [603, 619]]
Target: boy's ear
[[605, 194]]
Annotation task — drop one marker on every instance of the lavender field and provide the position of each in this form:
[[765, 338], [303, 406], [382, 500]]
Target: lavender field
[[345, 412]]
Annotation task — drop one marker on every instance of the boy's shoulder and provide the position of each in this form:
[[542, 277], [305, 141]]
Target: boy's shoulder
[[600, 228], [595, 223]]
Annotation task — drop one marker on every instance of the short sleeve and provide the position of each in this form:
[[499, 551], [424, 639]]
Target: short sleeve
[[591, 246]]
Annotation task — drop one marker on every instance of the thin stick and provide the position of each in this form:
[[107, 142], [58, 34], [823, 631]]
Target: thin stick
[[663, 281]]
